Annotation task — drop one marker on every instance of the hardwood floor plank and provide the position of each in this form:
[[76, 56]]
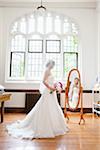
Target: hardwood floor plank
[[80, 137]]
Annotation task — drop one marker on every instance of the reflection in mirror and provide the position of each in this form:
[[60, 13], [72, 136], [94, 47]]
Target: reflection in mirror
[[74, 89], [73, 94]]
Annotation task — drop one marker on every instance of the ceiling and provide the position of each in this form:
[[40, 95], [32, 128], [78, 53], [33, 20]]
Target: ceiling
[[52, 3], [14, 1]]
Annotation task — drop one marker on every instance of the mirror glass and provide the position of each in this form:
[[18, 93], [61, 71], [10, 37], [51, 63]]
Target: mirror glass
[[74, 89]]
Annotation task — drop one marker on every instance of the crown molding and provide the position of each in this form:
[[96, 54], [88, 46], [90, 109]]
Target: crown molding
[[76, 5]]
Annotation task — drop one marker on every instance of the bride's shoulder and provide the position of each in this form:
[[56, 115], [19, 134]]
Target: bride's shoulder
[[47, 71]]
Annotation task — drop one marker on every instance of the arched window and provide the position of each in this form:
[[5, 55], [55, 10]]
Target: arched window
[[36, 38]]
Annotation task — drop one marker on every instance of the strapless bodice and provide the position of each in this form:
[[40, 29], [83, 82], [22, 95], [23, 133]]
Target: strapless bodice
[[75, 90], [49, 80]]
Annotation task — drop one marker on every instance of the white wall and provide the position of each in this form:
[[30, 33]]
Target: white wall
[[1, 43], [86, 19], [98, 35], [87, 100]]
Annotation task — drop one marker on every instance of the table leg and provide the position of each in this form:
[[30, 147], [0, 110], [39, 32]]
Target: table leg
[[2, 111]]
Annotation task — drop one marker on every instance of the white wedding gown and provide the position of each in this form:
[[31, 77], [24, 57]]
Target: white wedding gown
[[45, 120], [73, 98]]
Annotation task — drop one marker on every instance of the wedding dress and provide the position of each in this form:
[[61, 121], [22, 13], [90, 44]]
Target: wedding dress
[[45, 120], [73, 99]]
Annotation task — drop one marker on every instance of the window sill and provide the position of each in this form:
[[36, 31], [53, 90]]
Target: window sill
[[22, 82]]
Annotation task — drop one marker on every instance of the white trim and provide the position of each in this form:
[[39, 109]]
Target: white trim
[[75, 5]]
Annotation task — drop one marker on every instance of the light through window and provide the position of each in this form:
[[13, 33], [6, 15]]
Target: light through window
[[53, 46], [36, 39], [35, 46]]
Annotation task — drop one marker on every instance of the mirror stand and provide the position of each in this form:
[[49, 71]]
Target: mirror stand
[[81, 111], [74, 95]]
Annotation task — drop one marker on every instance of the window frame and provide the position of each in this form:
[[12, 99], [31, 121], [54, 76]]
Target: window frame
[[11, 53], [53, 51], [35, 40], [44, 39], [77, 58]]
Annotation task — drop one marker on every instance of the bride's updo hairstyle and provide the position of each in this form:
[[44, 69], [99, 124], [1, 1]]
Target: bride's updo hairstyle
[[50, 63]]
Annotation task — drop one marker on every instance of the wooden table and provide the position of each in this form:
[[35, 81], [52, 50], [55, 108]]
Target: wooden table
[[3, 98]]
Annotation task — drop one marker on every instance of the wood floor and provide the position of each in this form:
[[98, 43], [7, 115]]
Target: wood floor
[[80, 137]]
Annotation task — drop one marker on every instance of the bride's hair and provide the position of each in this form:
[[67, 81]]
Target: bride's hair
[[50, 62]]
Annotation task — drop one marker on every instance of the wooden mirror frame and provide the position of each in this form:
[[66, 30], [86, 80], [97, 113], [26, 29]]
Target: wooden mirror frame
[[80, 98]]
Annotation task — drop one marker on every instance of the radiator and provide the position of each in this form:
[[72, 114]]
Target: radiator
[[32, 98]]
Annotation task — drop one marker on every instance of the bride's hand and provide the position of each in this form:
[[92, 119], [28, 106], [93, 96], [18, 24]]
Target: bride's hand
[[52, 88]]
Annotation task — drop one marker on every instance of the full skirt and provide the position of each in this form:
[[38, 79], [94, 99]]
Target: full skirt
[[45, 120]]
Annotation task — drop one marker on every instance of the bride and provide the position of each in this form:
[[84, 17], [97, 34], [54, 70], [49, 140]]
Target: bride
[[46, 119]]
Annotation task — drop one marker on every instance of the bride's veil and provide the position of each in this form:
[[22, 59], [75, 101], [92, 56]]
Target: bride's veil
[[42, 86]]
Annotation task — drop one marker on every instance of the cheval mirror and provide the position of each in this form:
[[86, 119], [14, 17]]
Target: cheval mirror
[[74, 94]]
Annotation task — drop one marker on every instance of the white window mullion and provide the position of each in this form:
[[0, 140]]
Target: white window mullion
[[36, 27], [44, 51], [53, 24], [62, 59], [26, 50], [62, 50], [44, 42], [26, 58]]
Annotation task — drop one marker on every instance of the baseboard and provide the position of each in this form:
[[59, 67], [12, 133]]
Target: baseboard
[[22, 110], [14, 110], [85, 110]]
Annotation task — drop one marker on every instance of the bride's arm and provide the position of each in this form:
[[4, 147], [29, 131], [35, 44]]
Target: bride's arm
[[46, 74]]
